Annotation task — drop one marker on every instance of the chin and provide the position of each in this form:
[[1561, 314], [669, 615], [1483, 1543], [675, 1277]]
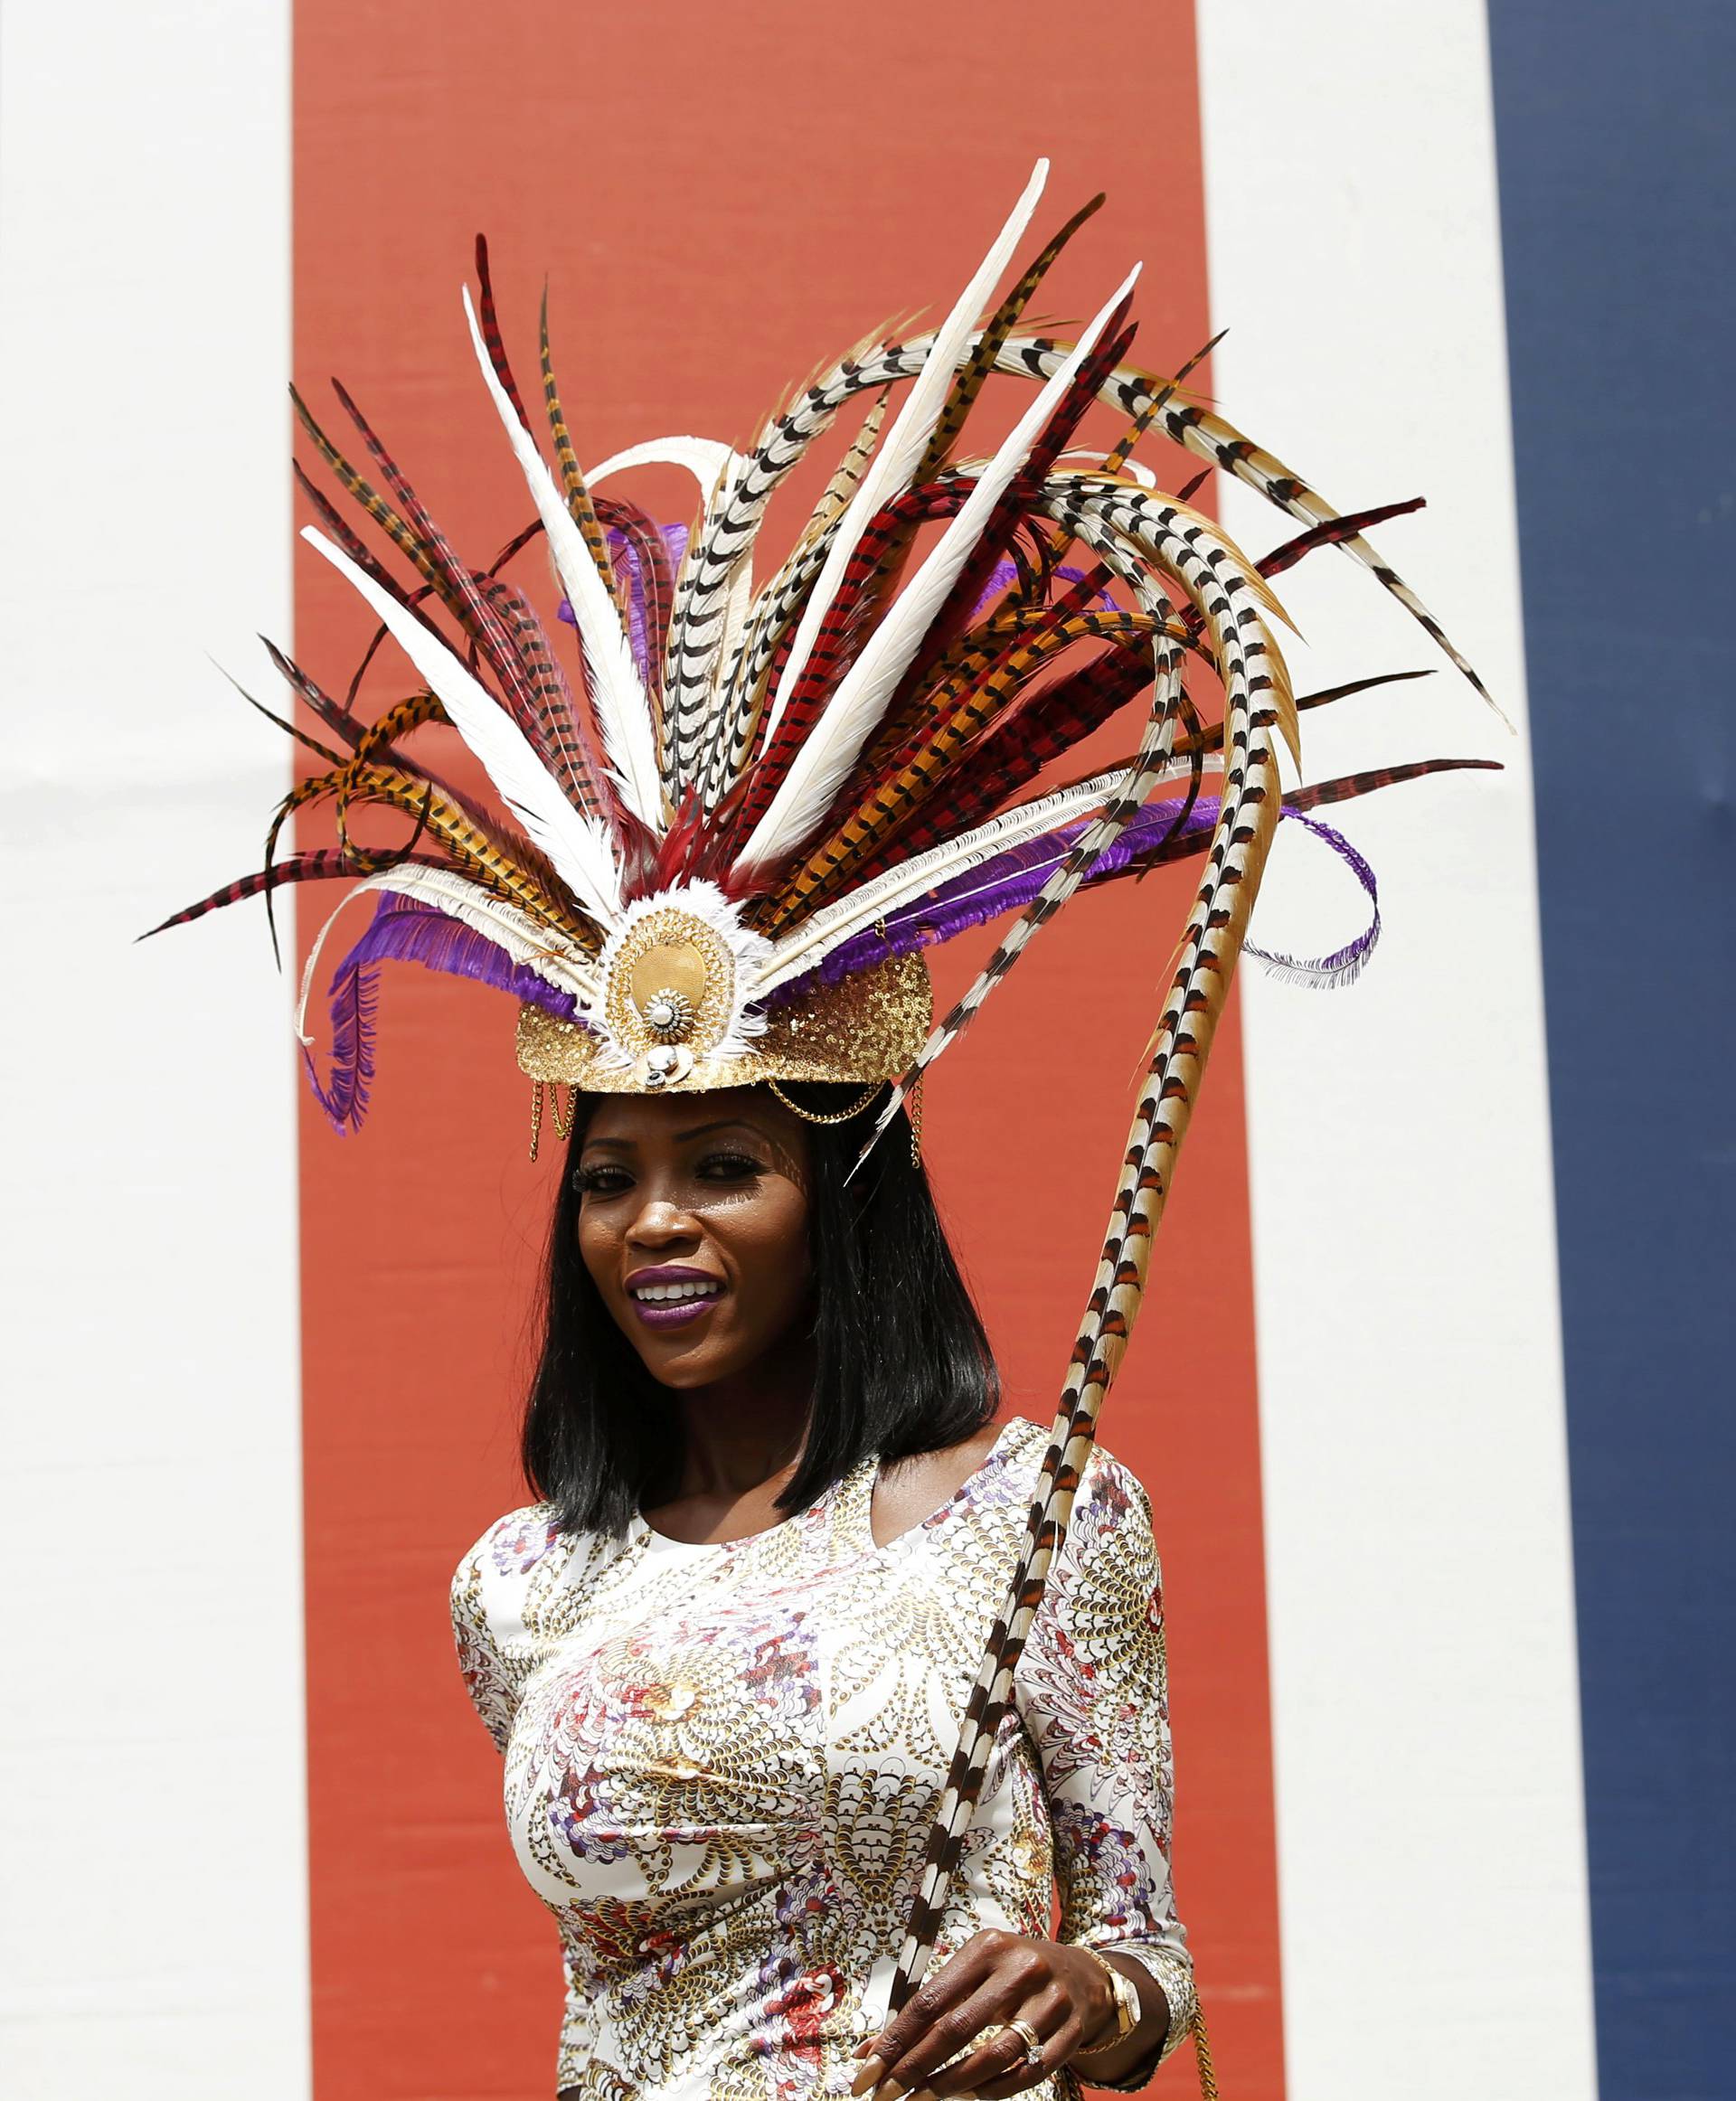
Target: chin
[[684, 1365], [682, 1373]]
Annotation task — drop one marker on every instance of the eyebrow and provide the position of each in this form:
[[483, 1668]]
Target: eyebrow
[[698, 1131]]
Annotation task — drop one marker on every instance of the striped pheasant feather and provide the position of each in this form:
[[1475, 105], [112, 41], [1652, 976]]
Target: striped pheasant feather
[[980, 361], [894, 463], [491, 332], [1136, 393], [867, 688], [1212, 943], [559, 731], [579, 845], [838, 635], [618, 702], [320, 864], [1229, 597], [573, 481], [978, 690]]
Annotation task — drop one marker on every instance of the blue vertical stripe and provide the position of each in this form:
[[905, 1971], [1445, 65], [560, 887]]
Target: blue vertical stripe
[[1614, 125]]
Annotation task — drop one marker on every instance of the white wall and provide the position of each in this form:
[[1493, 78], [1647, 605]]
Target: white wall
[[1431, 1860], [152, 1818]]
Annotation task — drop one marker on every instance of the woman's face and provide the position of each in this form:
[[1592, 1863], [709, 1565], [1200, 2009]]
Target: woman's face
[[693, 1222]]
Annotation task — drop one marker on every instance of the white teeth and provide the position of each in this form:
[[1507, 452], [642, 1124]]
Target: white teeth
[[671, 1294]]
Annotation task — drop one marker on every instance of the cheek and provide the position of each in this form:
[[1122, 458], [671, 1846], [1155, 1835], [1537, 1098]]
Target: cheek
[[599, 1249], [770, 1250]]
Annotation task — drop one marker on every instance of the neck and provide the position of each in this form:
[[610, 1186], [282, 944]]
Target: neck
[[743, 1432]]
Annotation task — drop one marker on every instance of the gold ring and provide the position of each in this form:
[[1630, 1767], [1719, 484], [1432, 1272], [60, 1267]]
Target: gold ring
[[1033, 2041]]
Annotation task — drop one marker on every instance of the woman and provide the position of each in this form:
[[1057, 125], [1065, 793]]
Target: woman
[[809, 1680], [726, 1652]]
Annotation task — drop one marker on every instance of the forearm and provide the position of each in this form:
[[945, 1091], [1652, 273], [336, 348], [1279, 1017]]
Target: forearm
[[1119, 2062]]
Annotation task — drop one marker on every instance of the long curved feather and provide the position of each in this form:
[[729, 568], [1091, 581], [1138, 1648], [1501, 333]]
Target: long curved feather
[[825, 757], [573, 481], [618, 701], [902, 447], [579, 846]]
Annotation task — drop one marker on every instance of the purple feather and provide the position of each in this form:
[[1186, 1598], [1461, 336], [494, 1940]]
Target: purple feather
[[630, 570], [1344, 966], [1008, 881], [1006, 574], [407, 930], [355, 997], [626, 558]]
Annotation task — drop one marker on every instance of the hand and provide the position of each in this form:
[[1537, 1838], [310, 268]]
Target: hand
[[995, 1977]]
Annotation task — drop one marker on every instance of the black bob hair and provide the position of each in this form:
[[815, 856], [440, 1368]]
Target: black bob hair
[[903, 1363]]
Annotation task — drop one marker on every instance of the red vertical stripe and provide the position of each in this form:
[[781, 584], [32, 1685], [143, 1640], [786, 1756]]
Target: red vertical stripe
[[719, 198]]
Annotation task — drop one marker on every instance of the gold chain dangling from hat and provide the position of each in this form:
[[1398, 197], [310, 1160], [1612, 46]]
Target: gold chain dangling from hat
[[562, 1124], [814, 1116], [916, 1120]]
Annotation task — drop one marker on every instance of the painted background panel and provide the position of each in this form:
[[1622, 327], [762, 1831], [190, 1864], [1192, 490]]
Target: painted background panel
[[701, 260]]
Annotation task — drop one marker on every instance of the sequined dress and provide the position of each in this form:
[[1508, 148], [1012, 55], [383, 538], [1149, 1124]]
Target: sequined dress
[[721, 1761]]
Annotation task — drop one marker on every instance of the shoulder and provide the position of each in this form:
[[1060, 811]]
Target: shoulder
[[1111, 1521], [1109, 1536], [1110, 1551], [498, 1576], [513, 1545], [1110, 1493], [954, 1466]]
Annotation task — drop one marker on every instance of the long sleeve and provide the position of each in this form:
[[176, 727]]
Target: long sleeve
[[1092, 1689], [492, 1688], [578, 2043], [489, 1600]]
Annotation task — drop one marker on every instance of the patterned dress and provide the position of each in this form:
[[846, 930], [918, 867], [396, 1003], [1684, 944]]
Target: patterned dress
[[722, 1760]]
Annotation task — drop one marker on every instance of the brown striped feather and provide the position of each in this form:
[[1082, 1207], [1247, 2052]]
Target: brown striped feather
[[573, 481]]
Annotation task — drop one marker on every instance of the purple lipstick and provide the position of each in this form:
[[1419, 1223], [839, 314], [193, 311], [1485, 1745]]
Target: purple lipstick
[[670, 1295]]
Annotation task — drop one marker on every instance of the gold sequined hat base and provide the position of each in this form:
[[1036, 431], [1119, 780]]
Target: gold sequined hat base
[[870, 1026]]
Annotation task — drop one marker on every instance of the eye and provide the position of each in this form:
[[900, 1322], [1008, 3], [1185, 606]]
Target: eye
[[601, 1180], [730, 1167]]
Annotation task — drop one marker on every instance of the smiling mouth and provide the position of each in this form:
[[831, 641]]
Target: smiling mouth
[[669, 1305]]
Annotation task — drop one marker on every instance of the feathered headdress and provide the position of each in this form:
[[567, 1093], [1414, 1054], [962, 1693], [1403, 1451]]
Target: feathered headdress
[[722, 838]]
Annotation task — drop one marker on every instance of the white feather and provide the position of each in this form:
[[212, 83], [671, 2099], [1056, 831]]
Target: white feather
[[738, 608], [818, 768], [814, 938], [1134, 469], [901, 450], [579, 846], [707, 459], [618, 699]]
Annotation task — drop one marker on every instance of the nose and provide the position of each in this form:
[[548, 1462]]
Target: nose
[[662, 1224]]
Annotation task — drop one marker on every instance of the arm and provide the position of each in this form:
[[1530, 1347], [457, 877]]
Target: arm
[[487, 1679], [1092, 1689], [487, 1601]]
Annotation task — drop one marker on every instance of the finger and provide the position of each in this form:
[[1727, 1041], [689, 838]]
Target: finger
[[998, 2065], [889, 2053]]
